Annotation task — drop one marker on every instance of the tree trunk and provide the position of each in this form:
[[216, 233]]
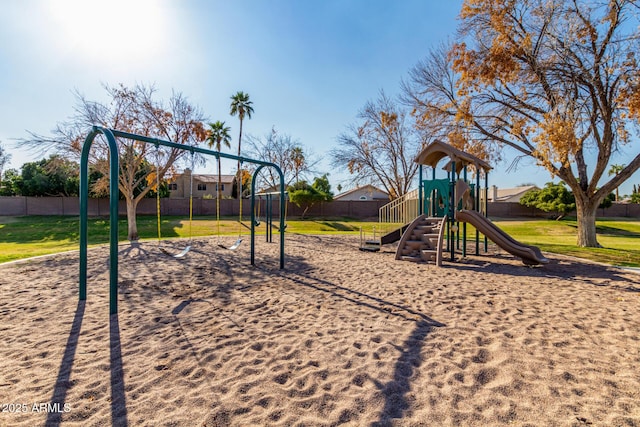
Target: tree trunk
[[132, 226], [304, 212], [586, 216]]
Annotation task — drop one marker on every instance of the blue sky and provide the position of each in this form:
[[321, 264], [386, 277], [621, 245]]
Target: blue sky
[[308, 65]]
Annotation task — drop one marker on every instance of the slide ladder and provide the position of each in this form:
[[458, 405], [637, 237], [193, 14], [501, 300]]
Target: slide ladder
[[422, 240]]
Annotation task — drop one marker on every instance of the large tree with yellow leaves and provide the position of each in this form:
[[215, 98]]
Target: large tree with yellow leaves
[[134, 110], [556, 80]]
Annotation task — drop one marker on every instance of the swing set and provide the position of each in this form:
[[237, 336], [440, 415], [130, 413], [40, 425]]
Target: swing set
[[186, 250], [236, 245], [110, 136], [268, 213]]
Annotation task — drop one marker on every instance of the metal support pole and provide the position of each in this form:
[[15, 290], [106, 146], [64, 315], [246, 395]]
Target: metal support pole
[[266, 217], [452, 201], [420, 187], [486, 206], [269, 217], [282, 218], [113, 215], [110, 135], [477, 208], [252, 240], [464, 225]]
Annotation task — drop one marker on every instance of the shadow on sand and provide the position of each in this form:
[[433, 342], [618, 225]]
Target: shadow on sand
[[396, 391], [57, 407], [63, 382]]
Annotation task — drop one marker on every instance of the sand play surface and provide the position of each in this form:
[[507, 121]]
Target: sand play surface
[[340, 337]]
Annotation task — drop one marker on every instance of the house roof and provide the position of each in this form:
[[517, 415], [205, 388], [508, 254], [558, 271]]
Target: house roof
[[272, 189], [213, 178], [364, 187], [507, 193], [437, 150]]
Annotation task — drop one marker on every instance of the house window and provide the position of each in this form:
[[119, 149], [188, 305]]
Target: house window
[[221, 187], [363, 197], [173, 186], [202, 187]]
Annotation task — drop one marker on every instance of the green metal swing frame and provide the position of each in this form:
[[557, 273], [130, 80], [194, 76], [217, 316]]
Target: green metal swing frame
[[111, 135]]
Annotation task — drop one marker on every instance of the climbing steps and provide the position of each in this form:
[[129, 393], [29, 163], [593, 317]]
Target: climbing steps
[[422, 240]]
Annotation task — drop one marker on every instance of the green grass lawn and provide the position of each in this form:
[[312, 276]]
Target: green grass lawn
[[23, 237], [620, 238]]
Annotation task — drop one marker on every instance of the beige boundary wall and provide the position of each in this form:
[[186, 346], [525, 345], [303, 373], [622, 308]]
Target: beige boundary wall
[[19, 206], [515, 210]]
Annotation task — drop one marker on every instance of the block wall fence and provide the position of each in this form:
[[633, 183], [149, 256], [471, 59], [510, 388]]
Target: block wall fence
[[365, 209]]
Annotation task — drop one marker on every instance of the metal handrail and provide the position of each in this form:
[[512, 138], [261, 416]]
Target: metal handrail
[[402, 210]]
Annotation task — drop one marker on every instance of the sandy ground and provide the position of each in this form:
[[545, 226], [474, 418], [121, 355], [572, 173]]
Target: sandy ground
[[340, 337]]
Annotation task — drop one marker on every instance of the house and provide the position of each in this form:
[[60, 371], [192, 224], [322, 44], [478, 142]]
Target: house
[[512, 195], [204, 185], [366, 192], [271, 189]]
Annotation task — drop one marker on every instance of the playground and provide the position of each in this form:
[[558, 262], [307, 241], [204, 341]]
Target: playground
[[434, 217], [338, 337], [210, 331]]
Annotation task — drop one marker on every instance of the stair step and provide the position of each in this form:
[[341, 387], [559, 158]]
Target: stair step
[[429, 255], [409, 251], [422, 242]]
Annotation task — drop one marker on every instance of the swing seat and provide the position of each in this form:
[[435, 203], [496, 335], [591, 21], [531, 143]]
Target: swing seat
[[236, 245], [180, 254], [183, 253]]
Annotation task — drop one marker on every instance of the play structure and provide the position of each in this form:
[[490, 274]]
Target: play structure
[[437, 224], [110, 136]]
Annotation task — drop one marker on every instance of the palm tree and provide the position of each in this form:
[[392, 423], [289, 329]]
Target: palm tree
[[241, 106], [218, 136], [298, 159], [615, 170]]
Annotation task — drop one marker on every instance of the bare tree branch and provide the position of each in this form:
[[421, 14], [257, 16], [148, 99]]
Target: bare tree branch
[[134, 110], [380, 149]]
